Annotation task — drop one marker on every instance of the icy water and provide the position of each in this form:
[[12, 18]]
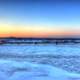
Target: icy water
[[39, 62]]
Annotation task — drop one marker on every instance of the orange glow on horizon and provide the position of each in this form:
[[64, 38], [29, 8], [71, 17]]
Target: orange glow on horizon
[[36, 34], [7, 30]]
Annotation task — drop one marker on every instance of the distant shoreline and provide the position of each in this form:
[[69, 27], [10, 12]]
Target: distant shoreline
[[41, 38], [14, 40]]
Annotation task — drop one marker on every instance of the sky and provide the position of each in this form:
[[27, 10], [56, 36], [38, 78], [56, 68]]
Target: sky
[[39, 18]]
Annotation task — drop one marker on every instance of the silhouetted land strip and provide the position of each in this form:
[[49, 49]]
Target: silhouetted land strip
[[14, 40]]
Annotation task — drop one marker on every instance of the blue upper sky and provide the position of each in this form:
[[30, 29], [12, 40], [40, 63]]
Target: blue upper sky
[[60, 11]]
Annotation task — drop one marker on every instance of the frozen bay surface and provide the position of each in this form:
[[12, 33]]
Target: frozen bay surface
[[13, 70], [41, 49], [40, 62]]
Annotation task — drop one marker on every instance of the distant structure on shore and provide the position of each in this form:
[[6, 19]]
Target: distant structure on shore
[[13, 40]]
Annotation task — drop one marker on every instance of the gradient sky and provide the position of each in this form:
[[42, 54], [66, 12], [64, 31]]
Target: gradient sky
[[39, 18]]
